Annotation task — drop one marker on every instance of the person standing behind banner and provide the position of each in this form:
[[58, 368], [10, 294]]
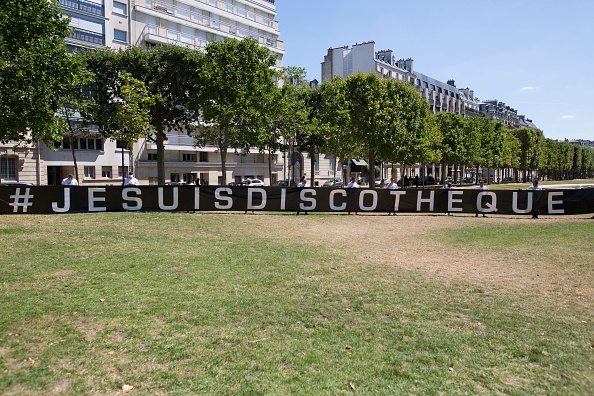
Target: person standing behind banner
[[535, 187], [448, 186], [70, 180], [392, 186], [353, 184], [481, 187], [131, 180], [302, 184]]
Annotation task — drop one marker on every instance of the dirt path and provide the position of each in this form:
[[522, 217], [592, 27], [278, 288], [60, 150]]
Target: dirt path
[[410, 242]]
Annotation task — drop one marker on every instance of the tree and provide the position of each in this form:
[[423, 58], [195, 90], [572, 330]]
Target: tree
[[413, 135], [451, 126], [289, 116], [35, 70], [368, 116], [238, 90], [334, 117], [170, 75], [531, 142]]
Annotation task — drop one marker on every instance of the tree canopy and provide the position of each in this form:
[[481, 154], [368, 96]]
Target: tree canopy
[[35, 69]]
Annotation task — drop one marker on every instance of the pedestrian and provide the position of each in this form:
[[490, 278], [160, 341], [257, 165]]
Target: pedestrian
[[131, 180], [302, 184], [535, 187], [353, 183], [392, 185], [481, 187], [448, 186], [70, 180]]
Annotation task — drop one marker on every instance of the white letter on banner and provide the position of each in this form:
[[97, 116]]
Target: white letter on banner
[[430, 200], [397, 199], [283, 199], [219, 197], [196, 198], [162, 205], [362, 197], [551, 203], [93, 199], [452, 201], [515, 203], [66, 207], [490, 206], [307, 199], [138, 201], [251, 192], [332, 194]]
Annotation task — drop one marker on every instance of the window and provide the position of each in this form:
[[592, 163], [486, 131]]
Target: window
[[80, 143], [8, 168], [120, 174], [122, 144], [89, 172], [119, 8], [106, 172], [189, 157], [152, 156], [203, 156], [174, 177], [119, 35]]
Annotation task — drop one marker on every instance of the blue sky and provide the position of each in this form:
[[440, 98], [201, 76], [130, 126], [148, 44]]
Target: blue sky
[[537, 56]]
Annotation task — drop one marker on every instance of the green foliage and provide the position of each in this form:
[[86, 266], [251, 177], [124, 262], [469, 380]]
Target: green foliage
[[238, 95], [35, 71]]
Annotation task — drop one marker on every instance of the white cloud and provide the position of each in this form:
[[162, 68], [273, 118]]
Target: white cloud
[[568, 117], [529, 88]]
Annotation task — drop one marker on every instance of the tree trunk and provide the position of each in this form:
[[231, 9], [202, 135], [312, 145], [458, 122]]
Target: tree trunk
[[270, 164], [312, 164], [160, 142], [371, 169], [74, 158]]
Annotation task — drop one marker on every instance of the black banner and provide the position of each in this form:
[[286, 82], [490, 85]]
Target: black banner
[[50, 199]]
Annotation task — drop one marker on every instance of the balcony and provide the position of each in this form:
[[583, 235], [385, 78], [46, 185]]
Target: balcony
[[88, 37], [83, 6], [223, 5], [161, 35], [215, 24]]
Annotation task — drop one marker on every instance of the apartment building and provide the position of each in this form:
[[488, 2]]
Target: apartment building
[[344, 61], [194, 23], [123, 23]]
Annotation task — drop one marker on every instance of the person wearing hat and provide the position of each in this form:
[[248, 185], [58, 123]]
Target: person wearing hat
[[533, 187], [131, 180], [70, 181]]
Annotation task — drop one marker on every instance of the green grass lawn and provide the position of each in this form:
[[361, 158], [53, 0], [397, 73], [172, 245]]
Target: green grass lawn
[[206, 304]]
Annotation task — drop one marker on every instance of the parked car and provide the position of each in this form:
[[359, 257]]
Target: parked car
[[179, 183], [15, 184], [282, 183], [378, 182], [507, 179], [336, 183], [255, 183], [428, 180]]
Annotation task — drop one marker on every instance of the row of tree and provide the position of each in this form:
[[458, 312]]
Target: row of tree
[[232, 97]]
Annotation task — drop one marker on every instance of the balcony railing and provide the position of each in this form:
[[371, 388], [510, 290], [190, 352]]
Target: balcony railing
[[212, 23], [162, 35], [84, 6], [224, 5], [89, 37]]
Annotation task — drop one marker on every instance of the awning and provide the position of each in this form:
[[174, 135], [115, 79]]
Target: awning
[[359, 162]]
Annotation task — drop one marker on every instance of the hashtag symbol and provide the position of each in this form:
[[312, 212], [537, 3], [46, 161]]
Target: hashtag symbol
[[21, 200]]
